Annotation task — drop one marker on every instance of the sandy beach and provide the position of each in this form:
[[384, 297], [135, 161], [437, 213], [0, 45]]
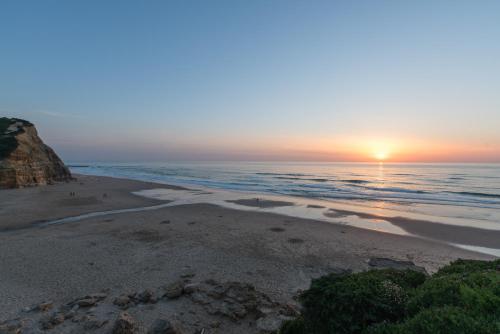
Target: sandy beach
[[126, 253]]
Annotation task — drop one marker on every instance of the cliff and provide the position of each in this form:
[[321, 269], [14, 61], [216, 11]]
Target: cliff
[[24, 159]]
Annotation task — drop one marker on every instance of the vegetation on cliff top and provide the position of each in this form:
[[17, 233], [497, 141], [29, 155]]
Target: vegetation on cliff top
[[463, 297], [8, 142]]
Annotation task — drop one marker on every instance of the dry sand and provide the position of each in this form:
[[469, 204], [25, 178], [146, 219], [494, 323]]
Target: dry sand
[[129, 252]]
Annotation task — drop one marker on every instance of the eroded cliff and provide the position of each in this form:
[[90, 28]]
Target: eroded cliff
[[24, 159]]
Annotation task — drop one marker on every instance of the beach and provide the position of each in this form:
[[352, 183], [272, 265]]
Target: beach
[[128, 252]]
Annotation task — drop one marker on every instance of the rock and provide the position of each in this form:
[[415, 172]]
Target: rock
[[91, 322], [24, 159], [290, 310], [44, 307], [89, 300], [52, 320], [125, 324], [234, 300], [264, 311], [200, 298], [6, 330], [233, 311], [86, 302], [192, 287], [29, 309], [10, 327], [174, 290], [211, 281], [122, 301], [215, 324], [271, 323], [385, 263], [146, 296], [70, 314], [188, 274], [99, 295], [161, 326]]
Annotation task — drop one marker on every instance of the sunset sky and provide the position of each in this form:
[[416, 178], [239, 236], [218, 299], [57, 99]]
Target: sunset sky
[[256, 80]]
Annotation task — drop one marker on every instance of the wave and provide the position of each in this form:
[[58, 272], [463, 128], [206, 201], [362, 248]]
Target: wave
[[399, 190], [287, 178], [286, 174], [406, 186], [471, 193], [301, 179], [355, 181], [317, 180]]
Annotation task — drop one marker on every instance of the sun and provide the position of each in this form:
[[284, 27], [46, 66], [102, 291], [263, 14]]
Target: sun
[[381, 155], [379, 150]]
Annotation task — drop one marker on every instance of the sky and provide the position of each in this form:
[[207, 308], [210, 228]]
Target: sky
[[302, 80]]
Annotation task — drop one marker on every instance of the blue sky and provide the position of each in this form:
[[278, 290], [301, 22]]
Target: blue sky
[[299, 80]]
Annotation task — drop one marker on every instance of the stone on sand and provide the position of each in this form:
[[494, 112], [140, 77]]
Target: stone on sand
[[174, 290], [125, 324], [161, 326]]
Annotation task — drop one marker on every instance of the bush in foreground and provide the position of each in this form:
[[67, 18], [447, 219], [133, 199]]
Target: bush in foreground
[[463, 297]]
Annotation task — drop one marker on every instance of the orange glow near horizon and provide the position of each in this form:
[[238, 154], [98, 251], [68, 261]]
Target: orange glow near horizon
[[349, 149], [389, 149]]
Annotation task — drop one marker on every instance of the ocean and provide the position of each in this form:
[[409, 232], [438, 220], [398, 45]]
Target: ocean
[[468, 185]]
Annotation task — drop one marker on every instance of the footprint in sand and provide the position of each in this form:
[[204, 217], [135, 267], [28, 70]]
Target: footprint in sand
[[277, 229]]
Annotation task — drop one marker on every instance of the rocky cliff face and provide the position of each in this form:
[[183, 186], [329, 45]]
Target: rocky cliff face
[[24, 159]]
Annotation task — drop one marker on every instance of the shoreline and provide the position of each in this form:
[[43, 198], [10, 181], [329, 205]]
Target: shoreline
[[146, 195], [137, 250], [158, 195]]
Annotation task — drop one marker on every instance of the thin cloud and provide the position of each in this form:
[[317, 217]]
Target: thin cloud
[[56, 114], [39, 112]]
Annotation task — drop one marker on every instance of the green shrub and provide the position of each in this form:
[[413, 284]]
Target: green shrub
[[464, 267], [446, 320], [350, 303], [4, 124], [296, 326], [7, 145], [8, 142], [463, 297], [477, 292]]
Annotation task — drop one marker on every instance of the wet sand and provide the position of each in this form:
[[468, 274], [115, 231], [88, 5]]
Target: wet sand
[[132, 251], [21, 208], [452, 234]]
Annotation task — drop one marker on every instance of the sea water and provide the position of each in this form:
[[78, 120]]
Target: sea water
[[461, 191]]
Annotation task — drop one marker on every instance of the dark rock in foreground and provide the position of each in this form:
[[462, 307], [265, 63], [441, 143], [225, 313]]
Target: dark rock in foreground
[[212, 307], [24, 159], [125, 324]]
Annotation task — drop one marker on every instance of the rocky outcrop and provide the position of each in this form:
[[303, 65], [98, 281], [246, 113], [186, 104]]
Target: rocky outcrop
[[24, 159], [202, 307]]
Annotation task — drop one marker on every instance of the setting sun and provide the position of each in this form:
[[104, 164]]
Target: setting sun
[[381, 149], [381, 155]]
